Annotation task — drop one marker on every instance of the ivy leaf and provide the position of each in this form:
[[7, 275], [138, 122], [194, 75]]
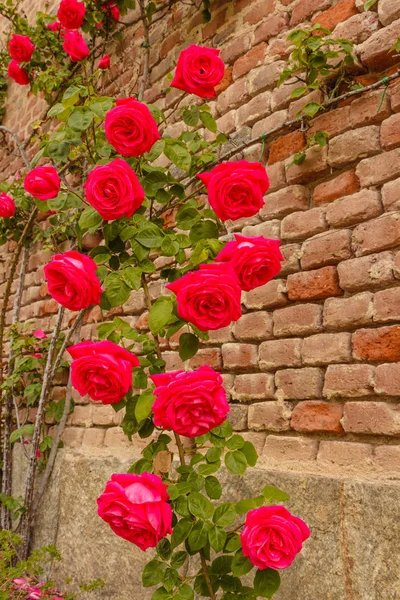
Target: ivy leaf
[[21, 432], [199, 506], [369, 4], [236, 462], [153, 573], [160, 313], [312, 108], [266, 583], [224, 514], [188, 345]]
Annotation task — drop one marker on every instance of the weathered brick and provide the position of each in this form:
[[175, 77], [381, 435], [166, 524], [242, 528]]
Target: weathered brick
[[296, 107], [227, 123], [258, 108], [369, 272], [395, 98], [343, 185], [259, 11], [237, 417], [334, 122], [300, 225], [207, 356], [375, 53], [379, 234], [255, 438], [379, 169], [381, 344], [390, 132], [282, 450], [237, 47], [315, 165], [93, 437], [387, 379], [378, 418], [239, 356], [317, 417], [353, 209], [281, 203], [82, 416], [299, 384], [388, 11], [387, 458], [342, 11], [265, 77], [314, 285], [353, 145], [253, 326], [269, 416], [281, 96], [169, 43], [234, 96], [72, 436], [387, 306], [328, 248], [253, 58], [349, 313], [216, 23], [302, 9], [270, 295], [303, 319], [326, 348], [391, 195], [254, 386], [274, 121], [105, 415], [358, 28], [286, 146], [367, 110], [345, 454], [276, 172], [280, 353], [274, 25], [349, 381], [268, 229]]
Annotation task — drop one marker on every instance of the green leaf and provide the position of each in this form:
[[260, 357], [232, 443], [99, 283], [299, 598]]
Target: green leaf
[[140, 466], [235, 442], [213, 454], [233, 543], [89, 219], [203, 230], [299, 158], [178, 559], [161, 594], [185, 592], [153, 573], [199, 506], [240, 565], [321, 138], [154, 181], [101, 107], [21, 432], [273, 494], [250, 453], [170, 579], [223, 431], [132, 276], [150, 236], [209, 469], [243, 506], [208, 121], [266, 582], [181, 531], [188, 345], [156, 150], [369, 4], [143, 406], [71, 96], [58, 151], [224, 514], [236, 462], [191, 116], [169, 246], [198, 536], [178, 155], [217, 538], [160, 314], [213, 488], [299, 92], [311, 109], [80, 120], [117, 291], [164, 548]]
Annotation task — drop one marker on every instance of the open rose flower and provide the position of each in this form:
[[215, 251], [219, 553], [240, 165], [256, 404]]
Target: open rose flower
[[20, 48], [189, 403], [72, 280], [71, 13], [75, 46], [255, 260], [130, 128], [42, 183], [102, 370], [104, 62], [7, 205], [236, 189], [55, 26], [198, 71], [39, 334], [208, 298], [272, 537], [114, 190], [17, 73], [136, 508]]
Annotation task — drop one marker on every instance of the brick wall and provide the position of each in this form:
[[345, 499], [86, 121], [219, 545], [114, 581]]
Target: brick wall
[[313, 366]]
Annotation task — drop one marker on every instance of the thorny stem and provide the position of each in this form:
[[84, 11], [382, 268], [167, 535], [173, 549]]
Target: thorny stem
[[146, 45], [19, 144], [76, 324]]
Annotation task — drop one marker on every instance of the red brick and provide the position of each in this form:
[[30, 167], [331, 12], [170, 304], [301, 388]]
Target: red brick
[[379, 234], [353, 145], [225, 82], [364, 110], [270, 295], [235, 49], [280, 353], [274, 25], [381, 344], [300, 225], [240, 5], [345, 455], [328, 248], [387, 379], [280, 450], [253, 58], [391, 195], [348, 313], [207, 356], [342, 11], [259, 11], [317, 417], [169, 43], [216, 23], [387, 306], [269, 416], [302, 9], [379, 169], [286, 146], [390, 132], [258, 108], [239, 356], [379, 418], [395, 98], [298, 320], [375, 52], [333, 122], [296, 107], [285, 201], [299, 384], [253, 326], [314, 285], [314, 166], [369, 272], [349, 381], [351, 210], [326, 348], [254, 386], [343, 185]]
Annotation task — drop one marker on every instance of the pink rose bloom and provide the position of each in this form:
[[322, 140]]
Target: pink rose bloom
[[71, 14], [34, 593], [208, 298], [72, 280], [20, 48], [39, 334], [38, 453], [255, 260], [198, 71], [16, 73], [115, 12], [236, 189], [20, 582], [35, 355], [272, 537], [7, 205], [43, 183], [136, 508], [130, 128], [104, 62], [55, 26], [102, 370], [114, 190], [189, 403], [75, 46]]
